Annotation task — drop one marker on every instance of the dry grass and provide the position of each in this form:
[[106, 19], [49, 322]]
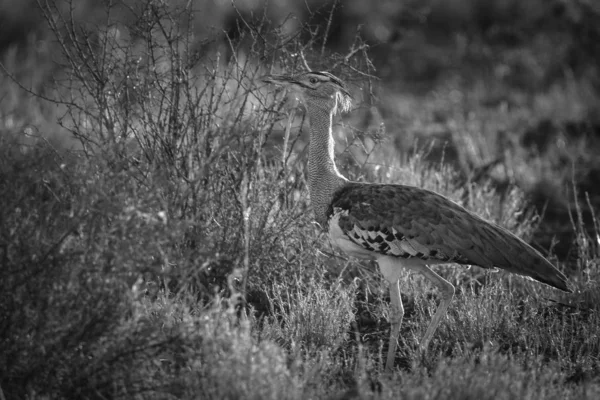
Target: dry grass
[[172, 254]]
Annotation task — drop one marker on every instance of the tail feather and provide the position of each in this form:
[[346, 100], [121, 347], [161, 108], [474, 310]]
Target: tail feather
[[530, 262], [540, 269]]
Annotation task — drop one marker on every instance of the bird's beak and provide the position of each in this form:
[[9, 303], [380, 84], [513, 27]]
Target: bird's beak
[[280, 80]]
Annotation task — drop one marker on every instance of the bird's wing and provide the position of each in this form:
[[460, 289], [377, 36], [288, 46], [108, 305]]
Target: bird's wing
[[406, 221]]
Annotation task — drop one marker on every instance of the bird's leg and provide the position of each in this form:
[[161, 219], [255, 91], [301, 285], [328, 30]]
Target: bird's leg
[[395, 322], [447, 294], [391, 269]]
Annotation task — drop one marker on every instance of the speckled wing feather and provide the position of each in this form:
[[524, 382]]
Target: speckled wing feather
[[406, 221]]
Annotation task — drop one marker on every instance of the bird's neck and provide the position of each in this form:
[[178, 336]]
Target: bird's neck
[[324, 177]]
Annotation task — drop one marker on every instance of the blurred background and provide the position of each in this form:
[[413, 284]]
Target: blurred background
[[506, 90], [149, 199]]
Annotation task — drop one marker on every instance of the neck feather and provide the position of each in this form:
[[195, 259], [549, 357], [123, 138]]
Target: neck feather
[[324, 177]]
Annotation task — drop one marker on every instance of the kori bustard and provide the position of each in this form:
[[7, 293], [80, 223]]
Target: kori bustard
[[400, 226]]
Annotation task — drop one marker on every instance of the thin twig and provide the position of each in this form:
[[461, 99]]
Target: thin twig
[[246, 211], [286, 139], [304, 61], [328, 27]]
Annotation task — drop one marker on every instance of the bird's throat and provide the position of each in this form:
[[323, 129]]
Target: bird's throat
[[324, 177]]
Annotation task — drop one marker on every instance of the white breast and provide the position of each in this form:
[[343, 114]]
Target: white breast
[[339, 240]]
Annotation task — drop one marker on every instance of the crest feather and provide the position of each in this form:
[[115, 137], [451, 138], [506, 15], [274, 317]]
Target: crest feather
[[343, 102]]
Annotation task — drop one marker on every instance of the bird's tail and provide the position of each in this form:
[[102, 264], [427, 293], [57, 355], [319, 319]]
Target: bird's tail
[[529, 262]]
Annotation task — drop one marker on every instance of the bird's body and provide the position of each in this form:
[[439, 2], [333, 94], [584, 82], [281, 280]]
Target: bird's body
[[410, 222], [400, 226]]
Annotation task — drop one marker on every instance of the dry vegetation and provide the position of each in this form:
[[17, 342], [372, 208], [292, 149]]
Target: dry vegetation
[[156, 239]]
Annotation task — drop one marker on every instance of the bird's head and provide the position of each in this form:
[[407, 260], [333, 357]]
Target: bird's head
[[316, 88]]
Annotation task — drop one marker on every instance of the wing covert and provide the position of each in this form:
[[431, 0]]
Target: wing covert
[[405, 221]]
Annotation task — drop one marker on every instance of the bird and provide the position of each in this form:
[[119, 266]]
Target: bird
[[401, 227]]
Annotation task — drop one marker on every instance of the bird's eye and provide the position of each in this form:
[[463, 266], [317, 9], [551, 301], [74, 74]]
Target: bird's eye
[[313, 80]]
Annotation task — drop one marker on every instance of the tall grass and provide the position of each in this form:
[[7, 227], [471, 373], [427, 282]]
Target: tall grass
[[172, 254]]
